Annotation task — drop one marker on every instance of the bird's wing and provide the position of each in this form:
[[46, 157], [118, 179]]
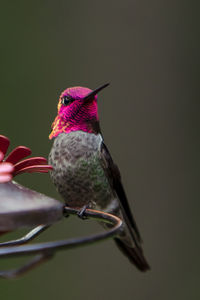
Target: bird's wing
[[114, 177]]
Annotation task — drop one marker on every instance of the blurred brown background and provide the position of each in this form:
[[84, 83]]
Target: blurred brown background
[[149, 51]]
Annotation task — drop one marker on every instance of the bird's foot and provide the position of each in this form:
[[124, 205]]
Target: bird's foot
[[81, 213]]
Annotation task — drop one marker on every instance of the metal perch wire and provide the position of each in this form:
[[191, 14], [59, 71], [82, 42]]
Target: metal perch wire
[[45, 251]]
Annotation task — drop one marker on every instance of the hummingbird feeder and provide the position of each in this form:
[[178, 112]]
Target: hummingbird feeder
[[21, 207]]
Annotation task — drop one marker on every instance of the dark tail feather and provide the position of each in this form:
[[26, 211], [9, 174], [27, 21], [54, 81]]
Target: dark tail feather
[[135, 255]]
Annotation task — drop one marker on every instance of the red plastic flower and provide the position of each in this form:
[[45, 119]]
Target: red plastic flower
[[13, 164]]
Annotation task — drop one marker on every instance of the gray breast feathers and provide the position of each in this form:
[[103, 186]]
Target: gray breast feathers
[[78, 173]]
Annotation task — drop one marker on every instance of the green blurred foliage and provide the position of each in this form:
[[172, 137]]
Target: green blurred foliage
[[149, 51]]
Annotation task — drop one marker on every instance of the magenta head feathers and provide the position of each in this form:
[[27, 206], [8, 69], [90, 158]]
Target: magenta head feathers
[[77, 110]]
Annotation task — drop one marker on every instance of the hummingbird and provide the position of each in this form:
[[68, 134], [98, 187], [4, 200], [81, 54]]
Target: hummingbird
[[84, 172]]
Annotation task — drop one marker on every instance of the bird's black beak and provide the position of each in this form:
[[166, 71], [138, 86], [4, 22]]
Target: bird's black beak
[[91, 95]]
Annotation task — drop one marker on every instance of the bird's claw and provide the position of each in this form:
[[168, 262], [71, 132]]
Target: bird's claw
[[81, 213]]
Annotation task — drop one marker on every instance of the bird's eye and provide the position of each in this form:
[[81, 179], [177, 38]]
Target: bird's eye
[[66, 100]]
